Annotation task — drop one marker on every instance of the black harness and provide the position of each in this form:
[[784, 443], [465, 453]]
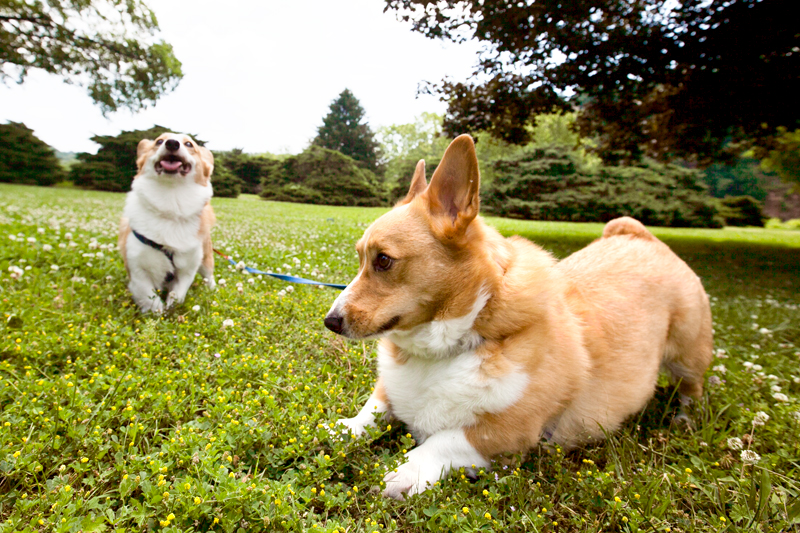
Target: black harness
[[160, 247]]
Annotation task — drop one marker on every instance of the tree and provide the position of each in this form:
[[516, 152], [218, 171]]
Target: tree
[[109, 46], [666, 79], [26, 159], [782, 156], [342, 130], [322, 176], [113, 167], [402, 145]]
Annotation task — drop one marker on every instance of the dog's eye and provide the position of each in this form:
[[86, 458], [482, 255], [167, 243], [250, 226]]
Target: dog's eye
[[382, 262], [188, 144], [159, 142]]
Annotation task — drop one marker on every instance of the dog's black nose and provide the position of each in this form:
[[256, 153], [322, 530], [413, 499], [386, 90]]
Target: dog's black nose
[[334, 323], [172, 145]]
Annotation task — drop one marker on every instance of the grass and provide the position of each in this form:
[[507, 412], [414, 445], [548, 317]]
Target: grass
[[111, 420]]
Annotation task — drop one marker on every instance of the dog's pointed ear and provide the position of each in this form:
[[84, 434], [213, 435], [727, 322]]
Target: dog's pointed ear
[[454, 191], [418, 183], [208, 161], [141, 153]]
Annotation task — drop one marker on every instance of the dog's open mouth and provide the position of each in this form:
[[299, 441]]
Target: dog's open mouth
[[172, 164]]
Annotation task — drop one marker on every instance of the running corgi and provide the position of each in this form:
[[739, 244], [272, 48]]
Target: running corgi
[[488, 344]]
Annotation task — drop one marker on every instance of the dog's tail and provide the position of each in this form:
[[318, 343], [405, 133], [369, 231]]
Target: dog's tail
[[627, 226]]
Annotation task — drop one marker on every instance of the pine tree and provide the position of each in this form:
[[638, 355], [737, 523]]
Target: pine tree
[[342, 130], [26, 159]]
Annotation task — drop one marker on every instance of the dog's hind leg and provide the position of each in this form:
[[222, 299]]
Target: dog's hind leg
[[689, 350]]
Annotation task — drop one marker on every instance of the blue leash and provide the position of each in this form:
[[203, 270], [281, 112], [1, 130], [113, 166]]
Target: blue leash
[[283, 277]]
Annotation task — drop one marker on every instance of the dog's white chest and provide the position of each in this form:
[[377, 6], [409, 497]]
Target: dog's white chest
[[432, 395]]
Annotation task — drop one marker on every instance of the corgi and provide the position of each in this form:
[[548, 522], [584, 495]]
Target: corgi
[[488, 344], [165, 231]]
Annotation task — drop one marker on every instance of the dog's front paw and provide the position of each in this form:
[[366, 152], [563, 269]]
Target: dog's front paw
[[154, 305], [413, 477], [210, 283], [353, 426]]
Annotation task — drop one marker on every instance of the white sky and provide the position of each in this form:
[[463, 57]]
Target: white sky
[[258, 75]]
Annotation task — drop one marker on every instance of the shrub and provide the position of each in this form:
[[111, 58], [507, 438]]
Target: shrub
[[26, 159], [742, 211], [225, 183], [553, 184], [321, 176], [249, 169], [775, 223]]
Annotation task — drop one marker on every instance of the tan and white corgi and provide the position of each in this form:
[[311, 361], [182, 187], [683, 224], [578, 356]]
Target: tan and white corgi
[[488, 344], [165, 231]]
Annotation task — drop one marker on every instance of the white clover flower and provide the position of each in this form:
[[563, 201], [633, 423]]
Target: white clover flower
[[240, 265], [16, 272], [781, 397], [760, 419], [775, 388], [54, 267], [296, 260], [40, 230], [289, 289], [713, 381], [251, 280], [31, 239], [281, 293], [12, 237], [47, 247], [720, 368], [62, 245], [227, 323], [748, 365], [68, 236], [765, 331], [196, 308], [795, 415], [758, 368], [222, 282], [78, 279], [735, 443], [99, 255], [749, 456]]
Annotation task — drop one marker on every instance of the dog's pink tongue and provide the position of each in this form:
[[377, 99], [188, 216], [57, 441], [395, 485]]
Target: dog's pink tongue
[[171, 166]]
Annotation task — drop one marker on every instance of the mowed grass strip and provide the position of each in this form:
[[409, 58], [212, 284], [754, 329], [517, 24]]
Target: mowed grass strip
[[111, 420]]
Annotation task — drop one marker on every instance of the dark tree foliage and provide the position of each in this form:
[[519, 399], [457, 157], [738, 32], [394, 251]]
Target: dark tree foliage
[[249, 169], [26, 159], [113, 167], [106, 45], [342, 130], [743, 211], [742, 177], [664, 79], [552, 184], [225, 183], [322, 176]]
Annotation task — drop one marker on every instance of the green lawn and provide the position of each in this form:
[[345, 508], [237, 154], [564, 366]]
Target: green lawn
[[117, 421]]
